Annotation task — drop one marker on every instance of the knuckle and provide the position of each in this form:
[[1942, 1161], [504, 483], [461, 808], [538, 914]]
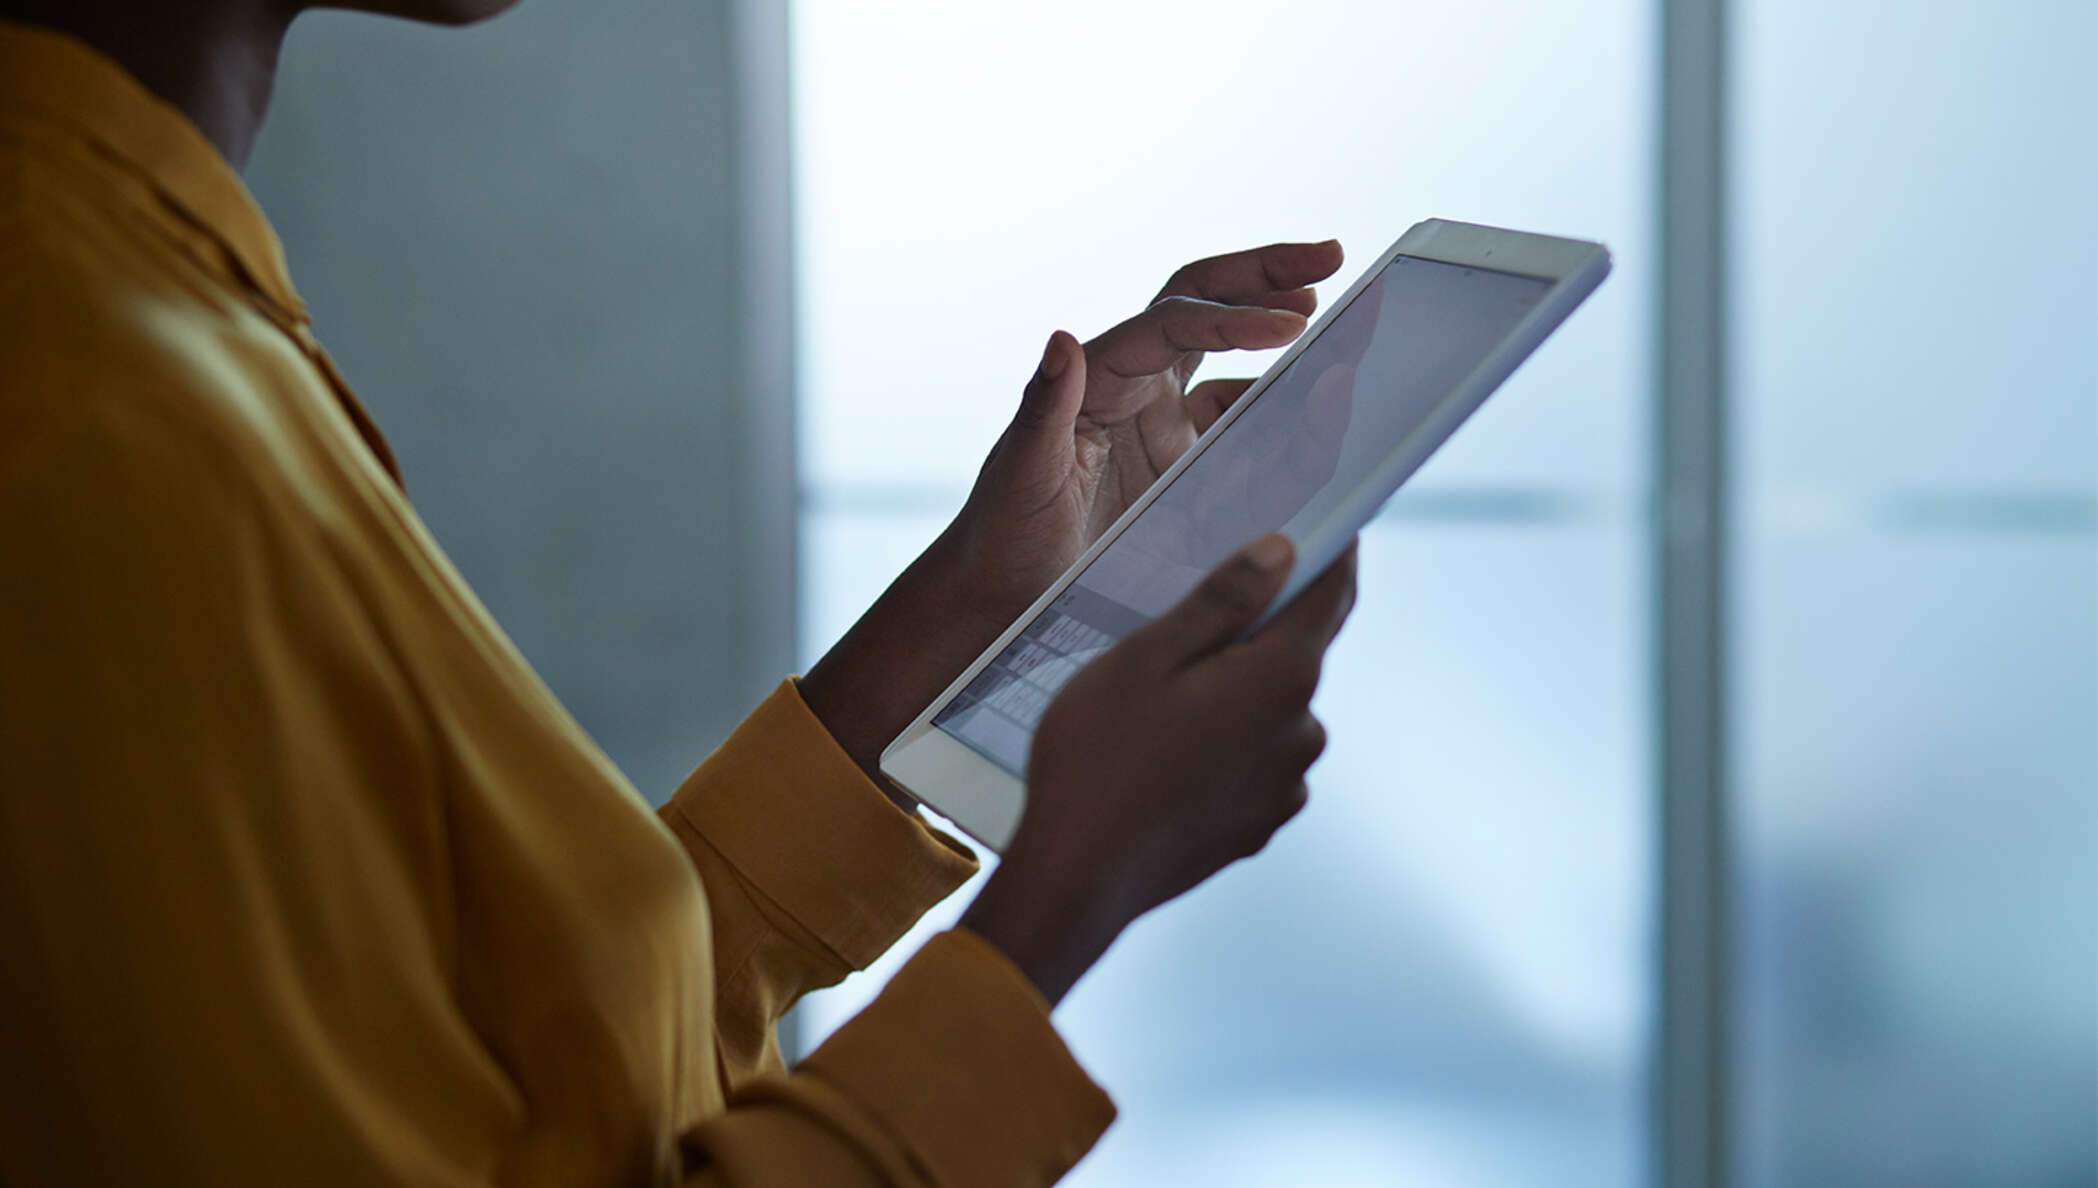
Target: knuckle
[[1299, 684], [1258, 837], [1181, 321], [1311, 740], [1288, 800], [1273, 801], [1347, 599]]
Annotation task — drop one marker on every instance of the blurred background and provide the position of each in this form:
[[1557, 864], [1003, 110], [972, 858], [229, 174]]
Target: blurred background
[[1713, 795]]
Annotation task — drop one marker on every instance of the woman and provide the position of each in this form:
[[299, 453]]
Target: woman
[[305, 878]]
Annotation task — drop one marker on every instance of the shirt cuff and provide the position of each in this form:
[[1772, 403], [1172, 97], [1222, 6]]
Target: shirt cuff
[[798, 819], [958, 1062]]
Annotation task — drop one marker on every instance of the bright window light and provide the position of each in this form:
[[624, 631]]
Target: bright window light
[[1440, 974]]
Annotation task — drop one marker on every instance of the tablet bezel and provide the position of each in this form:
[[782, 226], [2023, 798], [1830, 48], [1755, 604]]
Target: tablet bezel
[[984, 800]]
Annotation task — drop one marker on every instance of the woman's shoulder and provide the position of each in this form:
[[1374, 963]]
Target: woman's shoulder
[[133, 378], [131, 419], [103, 303]]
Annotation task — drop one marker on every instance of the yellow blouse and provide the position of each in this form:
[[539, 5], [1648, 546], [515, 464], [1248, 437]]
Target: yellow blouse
[[305, 878]]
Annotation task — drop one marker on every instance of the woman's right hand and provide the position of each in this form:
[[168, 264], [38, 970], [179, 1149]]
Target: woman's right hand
[[1178, 752]]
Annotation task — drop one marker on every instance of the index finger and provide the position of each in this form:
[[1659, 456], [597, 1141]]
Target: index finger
[[1245, 277], [1175, 327]]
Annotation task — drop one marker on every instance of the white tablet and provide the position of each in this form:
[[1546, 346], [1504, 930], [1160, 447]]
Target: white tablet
[[1312, 450]]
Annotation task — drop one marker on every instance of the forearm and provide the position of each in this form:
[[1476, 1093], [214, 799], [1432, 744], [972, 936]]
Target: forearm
[[916, 638]]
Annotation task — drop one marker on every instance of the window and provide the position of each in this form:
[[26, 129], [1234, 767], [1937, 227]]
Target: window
[[1441, 973], [1445, 972], [1915, 622]]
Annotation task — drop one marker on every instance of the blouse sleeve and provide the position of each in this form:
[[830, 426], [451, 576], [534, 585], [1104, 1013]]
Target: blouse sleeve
[[954, 1075]]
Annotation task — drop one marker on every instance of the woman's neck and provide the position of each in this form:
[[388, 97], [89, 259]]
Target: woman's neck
[[215, 60]]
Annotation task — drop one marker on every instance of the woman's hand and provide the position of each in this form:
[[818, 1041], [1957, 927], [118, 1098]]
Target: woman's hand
[[1095, 427], [1180, 751], [1099, 423]]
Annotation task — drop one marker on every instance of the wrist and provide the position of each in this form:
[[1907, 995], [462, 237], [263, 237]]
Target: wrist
[[953, 565], [1053, 929], [916, 638], [979, 600]]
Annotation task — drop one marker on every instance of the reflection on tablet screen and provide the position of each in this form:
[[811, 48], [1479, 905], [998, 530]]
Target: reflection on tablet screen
[[1308, 441]]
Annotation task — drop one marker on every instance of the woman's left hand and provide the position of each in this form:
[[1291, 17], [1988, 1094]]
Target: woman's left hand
[[1099, 423]]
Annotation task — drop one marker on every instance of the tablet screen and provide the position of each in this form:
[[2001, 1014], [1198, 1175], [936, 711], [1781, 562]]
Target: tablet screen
[[1305, 444]]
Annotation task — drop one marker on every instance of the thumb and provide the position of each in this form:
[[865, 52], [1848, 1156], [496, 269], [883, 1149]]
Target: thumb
[[1221, 608], [1053, 397]]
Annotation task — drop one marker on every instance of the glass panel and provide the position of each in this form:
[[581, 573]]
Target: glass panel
[[1916, 617], [1438, 974], [849, 556], [974, 176], [1916, 245], [1917, 945]]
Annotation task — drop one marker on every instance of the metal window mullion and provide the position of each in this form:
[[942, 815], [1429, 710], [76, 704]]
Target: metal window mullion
[[1690, 1082]]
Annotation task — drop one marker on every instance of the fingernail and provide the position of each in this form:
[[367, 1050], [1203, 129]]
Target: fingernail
[[1271, 552], [1053, 360]]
